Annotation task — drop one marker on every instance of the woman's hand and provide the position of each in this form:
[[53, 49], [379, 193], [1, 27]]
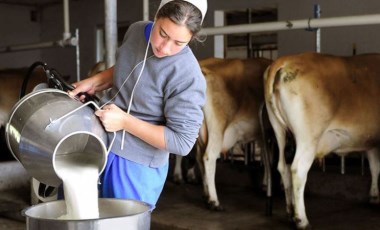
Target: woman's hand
[[115, 119], [84, 86], [97, 82], [112, 117]]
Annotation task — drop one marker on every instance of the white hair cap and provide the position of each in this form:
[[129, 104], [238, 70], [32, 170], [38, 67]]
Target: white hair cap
[[200, 4]]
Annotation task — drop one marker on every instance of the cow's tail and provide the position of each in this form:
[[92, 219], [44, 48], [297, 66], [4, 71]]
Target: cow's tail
[[272, 77]]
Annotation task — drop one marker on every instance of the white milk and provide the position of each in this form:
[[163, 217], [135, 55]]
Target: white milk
[[79, 173]]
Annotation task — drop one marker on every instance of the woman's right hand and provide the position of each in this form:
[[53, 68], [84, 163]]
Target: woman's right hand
[[91, 85], [83, 87]]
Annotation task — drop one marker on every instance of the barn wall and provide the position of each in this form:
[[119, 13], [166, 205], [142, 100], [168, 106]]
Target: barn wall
[[17, 28], [88, 14]]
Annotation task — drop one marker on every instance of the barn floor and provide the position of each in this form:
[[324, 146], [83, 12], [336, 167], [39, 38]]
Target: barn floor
[[181, 206]]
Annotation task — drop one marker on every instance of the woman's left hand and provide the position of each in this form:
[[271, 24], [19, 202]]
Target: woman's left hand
[[112, 117]]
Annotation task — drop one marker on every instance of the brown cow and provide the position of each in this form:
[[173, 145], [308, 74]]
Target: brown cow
[[11, 82], [329, 104], [231, 113]]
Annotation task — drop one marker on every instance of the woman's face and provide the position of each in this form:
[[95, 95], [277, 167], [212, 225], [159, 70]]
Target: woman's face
[[168, 38]]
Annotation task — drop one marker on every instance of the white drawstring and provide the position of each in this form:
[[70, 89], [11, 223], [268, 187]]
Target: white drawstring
[[110, 100], [134, 87]]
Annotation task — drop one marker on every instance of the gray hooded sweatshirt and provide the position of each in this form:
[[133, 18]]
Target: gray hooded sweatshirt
[[171, 92]]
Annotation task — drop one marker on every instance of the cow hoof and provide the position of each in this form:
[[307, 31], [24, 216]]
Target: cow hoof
[[192, 180], [291, 217], [264, 187], [307, 227], [374, 200], [290, 212], [213, 207], [178, 180], [301, 225]]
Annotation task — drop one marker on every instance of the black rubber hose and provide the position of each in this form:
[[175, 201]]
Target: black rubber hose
[[54, 79], [59, 81], [61, 84], [27, 76]]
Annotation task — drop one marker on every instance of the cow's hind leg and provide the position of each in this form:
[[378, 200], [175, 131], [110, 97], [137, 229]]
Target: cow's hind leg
[[209, 162], [191, 176], [207, 167], [185, 164], [374, 165], [282, 166], [300, 167], [199, 157], [177, 173], [284, 170]]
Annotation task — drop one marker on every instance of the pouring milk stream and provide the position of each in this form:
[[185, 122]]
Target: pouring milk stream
[[79, 173]]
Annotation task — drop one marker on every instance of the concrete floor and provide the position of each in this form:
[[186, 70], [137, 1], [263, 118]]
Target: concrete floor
[[345, 207], [182, 207]]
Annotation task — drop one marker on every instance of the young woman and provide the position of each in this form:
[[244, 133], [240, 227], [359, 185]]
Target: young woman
[[155, 102]]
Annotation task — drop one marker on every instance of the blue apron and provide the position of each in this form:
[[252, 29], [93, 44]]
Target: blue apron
[[126, 179]]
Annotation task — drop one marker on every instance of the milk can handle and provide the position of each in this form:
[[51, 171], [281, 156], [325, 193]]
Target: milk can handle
[[80, 107]]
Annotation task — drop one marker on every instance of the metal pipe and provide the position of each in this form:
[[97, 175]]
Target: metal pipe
[[247, 153], [249, 37], [66, 20], [39, 45], [28, 46], [295, 24], [145, 10], [110, 31], [219, 39], [77, 54], [317, 14]]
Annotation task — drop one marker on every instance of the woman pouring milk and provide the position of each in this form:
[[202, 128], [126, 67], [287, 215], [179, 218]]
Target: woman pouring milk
[[155, 102]]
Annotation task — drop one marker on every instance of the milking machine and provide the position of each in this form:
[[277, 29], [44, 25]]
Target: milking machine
[[47, 123]]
